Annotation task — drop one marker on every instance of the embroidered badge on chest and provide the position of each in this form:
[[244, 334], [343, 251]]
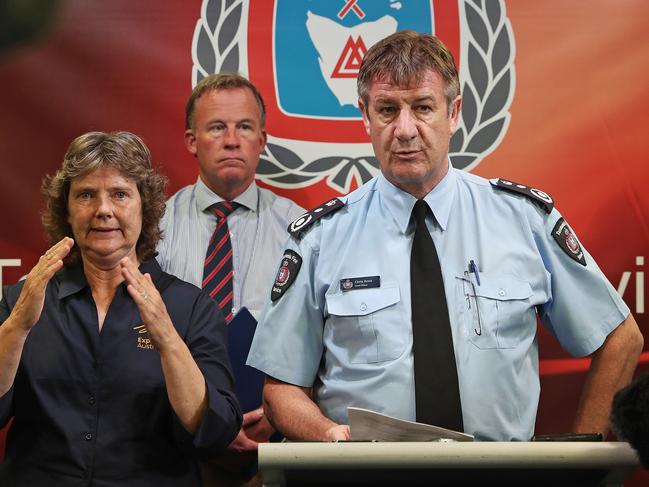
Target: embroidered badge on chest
[[288, 269], [565, 237]]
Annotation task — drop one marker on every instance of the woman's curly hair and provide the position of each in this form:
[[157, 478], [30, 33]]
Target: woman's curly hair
[[123, 151]]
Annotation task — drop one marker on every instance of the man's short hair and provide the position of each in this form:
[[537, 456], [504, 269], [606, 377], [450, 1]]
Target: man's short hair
[[403, 58], [221, 81]]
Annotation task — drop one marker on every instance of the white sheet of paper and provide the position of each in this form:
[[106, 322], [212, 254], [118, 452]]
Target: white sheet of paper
[[366, 425]]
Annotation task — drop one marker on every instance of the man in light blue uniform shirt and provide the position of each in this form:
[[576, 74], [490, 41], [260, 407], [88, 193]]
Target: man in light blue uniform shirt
[[337, 331], [225, 123]]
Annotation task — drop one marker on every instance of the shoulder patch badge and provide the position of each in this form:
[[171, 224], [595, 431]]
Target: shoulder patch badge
[[566, 239], [536, 195], [288, 269], [299, 226]]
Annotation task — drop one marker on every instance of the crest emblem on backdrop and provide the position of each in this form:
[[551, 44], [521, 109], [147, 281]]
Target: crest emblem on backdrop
[[304, 57]]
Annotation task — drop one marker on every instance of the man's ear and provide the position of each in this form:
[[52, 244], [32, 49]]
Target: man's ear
[[190, 141], [264, 139], [454, 116], [366, 117]]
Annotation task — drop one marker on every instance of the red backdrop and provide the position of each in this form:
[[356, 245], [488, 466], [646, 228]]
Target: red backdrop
[[578, 125]]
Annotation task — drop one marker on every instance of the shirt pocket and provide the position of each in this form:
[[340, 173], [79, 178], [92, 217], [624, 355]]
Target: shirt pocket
[[498, 313], [368, 324]]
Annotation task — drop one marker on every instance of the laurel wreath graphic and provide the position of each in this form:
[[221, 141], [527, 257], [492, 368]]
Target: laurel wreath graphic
[[215, 45], [487, 93], [284, 168]]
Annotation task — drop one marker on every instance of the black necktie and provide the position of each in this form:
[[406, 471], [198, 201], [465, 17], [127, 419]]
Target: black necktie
[[436, 388], [217, 269]]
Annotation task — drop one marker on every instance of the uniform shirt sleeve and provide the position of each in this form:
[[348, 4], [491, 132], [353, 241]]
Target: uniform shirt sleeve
[[206, 339], [288, 342], [584, 307]]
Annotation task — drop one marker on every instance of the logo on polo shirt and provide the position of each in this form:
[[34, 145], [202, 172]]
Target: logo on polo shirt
[[143, 341]]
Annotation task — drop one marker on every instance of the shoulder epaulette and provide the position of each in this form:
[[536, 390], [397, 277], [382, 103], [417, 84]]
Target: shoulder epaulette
[[540, 197], [299, 226]]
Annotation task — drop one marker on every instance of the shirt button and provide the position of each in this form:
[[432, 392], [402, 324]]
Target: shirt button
[[363, 306], [501, 292], [88, 436], [91, 399]]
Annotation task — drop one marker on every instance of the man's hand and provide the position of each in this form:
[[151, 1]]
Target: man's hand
[[256, 426], [292, 411], [242, 445], [340, 432], [243, 449]]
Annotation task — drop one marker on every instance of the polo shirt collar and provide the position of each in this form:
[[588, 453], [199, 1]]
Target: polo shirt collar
[[72, 279], [205, 197], [153, 268]]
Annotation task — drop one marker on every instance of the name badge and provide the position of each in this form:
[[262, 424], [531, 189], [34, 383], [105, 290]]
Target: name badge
[[350, 283]]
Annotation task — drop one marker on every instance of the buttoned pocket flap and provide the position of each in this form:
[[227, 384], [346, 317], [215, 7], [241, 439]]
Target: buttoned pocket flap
[[502, 288], [362, 302]]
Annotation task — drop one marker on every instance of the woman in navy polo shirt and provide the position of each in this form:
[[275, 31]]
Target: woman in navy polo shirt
[[115, 373]]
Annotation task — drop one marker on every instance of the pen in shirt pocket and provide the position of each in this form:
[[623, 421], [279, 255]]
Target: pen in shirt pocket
[[473, 267]]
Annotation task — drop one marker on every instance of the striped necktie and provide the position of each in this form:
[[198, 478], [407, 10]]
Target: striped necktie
[[217, 271]]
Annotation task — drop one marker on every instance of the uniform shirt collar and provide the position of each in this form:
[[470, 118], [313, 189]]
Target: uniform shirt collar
[[440, 199], [400, 203], [72, 278], [205, 197]]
